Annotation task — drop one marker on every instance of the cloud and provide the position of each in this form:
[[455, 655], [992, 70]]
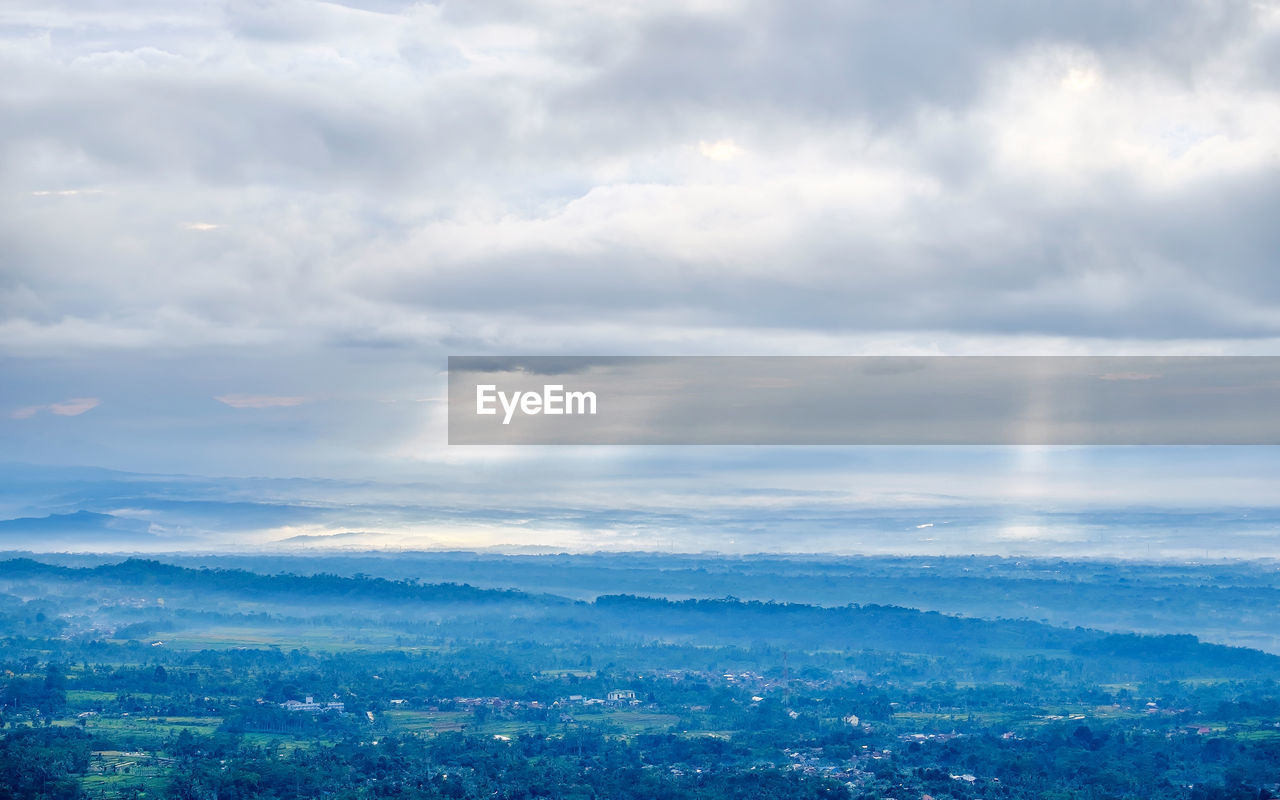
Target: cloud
[[65, 192], [259, 401], [75, 406], [1127, 376], [402, 181], [1010, 170], [720, 150], [67, 408], [1080, 79]]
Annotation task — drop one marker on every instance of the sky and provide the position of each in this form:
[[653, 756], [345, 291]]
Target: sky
[[239, 239]]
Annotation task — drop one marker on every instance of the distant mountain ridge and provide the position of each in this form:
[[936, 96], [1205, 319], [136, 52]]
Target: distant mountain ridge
[[453, 611], [81, 526], [144, 572]]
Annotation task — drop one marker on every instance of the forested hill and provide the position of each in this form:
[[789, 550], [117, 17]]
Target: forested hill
[[896, 629], [1235, 603], [190, 607], [142, 573]]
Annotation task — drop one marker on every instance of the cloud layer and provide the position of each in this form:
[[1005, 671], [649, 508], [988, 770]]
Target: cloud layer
[[390, 174], [253, 229]]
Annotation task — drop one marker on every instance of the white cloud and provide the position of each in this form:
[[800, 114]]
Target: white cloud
[[259, 401], [388, 187], [66, 408], [369, 170], [75, 406], [720, 150], [65, 192], [1080, 79]]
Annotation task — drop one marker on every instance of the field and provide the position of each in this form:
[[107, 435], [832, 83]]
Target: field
[[624, 722]]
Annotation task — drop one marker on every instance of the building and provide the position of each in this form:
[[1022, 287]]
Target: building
[[312, 705]]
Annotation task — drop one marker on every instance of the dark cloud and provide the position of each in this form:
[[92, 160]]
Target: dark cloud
[[537, 365], [875, 63]]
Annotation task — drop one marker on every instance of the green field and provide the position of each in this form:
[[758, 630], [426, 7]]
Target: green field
[[625, 721], [113, 773], [321, 639], [151, 728]]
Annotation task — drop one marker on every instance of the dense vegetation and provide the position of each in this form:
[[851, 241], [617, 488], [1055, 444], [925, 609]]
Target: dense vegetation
[[138, 678]]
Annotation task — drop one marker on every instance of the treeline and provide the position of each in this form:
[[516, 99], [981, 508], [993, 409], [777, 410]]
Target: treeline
[[43, 763], [1069, 760], [894, 629], [1238, 601], [146, 573], [580, 765], [370, 611]]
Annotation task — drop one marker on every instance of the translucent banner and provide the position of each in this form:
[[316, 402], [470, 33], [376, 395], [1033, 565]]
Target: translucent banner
[[776, 400]]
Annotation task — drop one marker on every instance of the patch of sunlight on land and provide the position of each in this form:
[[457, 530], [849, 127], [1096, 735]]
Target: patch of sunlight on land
[[1006, 717], [151, 728], [326, 639], [80, 698], [628, 723], [427, 721], [1270, 736], [560, 673], [285, 743]]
